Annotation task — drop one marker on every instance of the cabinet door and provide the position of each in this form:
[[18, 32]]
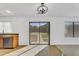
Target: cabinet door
[[8, 42]]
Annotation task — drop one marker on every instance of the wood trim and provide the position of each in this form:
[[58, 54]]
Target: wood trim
[[1, 42]]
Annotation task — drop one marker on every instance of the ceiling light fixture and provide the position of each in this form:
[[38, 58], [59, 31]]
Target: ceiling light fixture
[[7, 11], [42, 9]]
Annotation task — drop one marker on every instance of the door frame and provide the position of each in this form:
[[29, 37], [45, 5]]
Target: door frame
[[48, 33]]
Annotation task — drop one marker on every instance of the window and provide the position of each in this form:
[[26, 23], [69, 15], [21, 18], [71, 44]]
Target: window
[[71, 29], [5, 27], [68, 29], [39, 32]]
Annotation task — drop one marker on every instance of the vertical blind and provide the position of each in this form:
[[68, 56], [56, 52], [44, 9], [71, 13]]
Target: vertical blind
[[71, 29]]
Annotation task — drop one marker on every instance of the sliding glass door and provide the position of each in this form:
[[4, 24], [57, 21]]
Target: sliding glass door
[[39, 32]]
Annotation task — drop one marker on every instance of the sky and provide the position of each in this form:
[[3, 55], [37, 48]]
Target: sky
[[37, 24]]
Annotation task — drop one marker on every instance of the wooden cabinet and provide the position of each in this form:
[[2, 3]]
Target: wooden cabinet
[[9, 40], [1, 42]]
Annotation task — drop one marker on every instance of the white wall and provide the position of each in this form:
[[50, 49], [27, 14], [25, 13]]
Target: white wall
[[59, 29], [21, 26]]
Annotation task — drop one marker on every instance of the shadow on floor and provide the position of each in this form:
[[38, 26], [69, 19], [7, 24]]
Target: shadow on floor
[[50, 51]]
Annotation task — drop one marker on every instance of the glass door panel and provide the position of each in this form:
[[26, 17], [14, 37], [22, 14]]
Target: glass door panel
[[44, 33], [34, 33]]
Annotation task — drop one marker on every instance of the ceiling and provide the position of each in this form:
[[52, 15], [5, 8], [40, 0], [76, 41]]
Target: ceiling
[[30, 9]]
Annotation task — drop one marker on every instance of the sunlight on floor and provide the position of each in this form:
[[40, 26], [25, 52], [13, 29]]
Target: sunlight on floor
[[6, 51]]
